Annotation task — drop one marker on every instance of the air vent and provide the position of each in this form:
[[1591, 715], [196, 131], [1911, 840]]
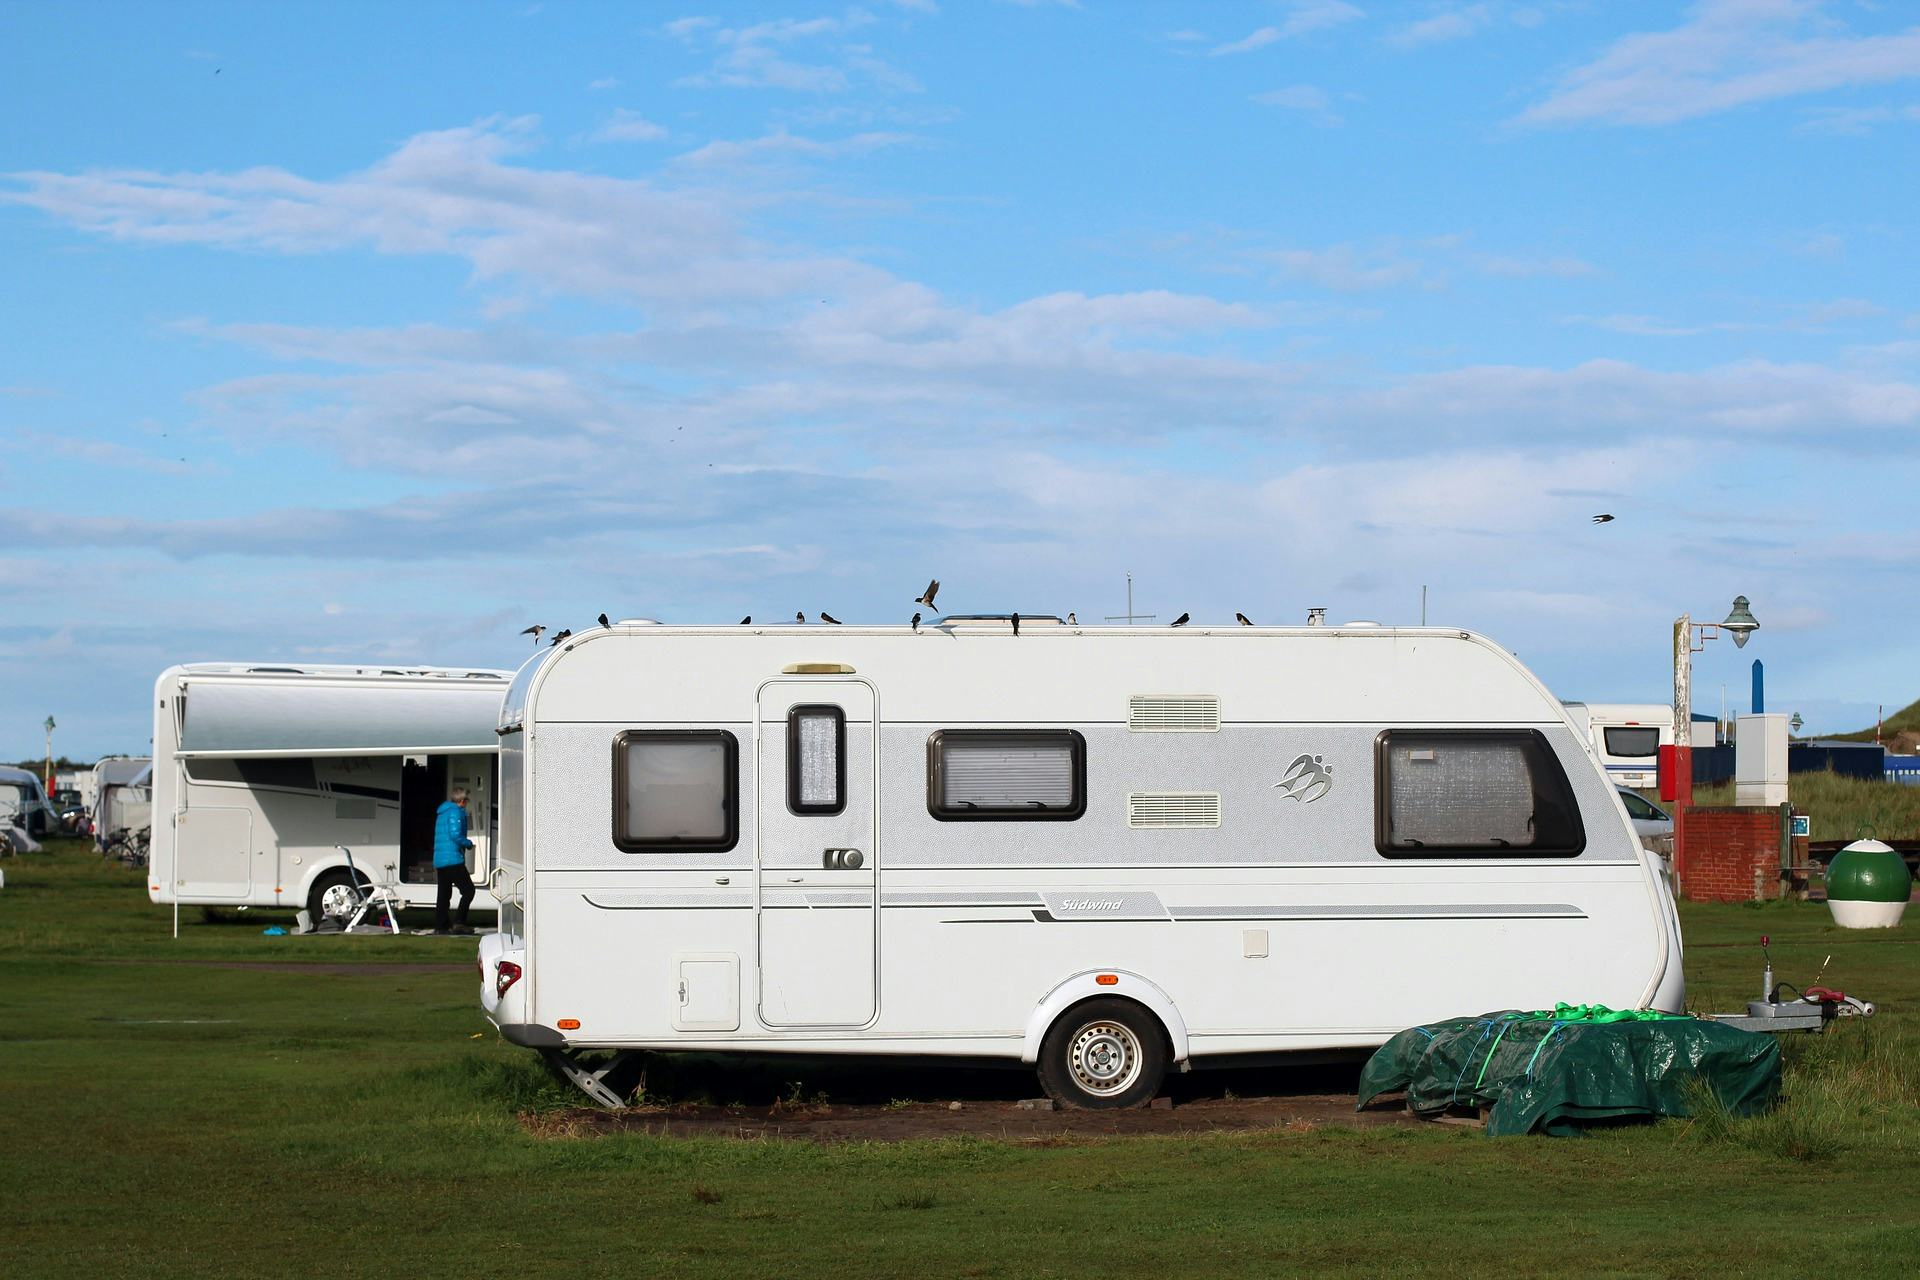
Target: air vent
[[1173, 713], [1169, 810]]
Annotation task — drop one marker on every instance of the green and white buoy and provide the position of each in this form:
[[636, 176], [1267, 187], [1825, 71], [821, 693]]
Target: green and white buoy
[[1868, 885]]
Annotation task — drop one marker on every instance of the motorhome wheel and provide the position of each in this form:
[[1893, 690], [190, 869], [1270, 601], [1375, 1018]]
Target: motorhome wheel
[[1104, 1053], [337, 893]]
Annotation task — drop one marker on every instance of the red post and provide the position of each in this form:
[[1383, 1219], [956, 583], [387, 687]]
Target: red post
[[1682, 800]]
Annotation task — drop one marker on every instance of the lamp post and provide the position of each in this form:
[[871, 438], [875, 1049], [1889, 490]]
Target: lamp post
[[1689, 638], [47, 782]]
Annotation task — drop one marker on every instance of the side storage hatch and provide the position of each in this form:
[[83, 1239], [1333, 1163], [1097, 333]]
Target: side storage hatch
[[706, 991]]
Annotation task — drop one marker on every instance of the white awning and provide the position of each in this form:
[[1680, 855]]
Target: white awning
[[319, 716]]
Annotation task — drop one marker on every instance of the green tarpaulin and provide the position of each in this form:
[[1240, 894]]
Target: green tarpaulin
[[1556, 1069]]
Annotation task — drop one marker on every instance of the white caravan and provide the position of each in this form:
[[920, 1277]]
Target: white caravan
[[122, 796], [259, 772], [23, 802], [1100, 850], [1627, 737]]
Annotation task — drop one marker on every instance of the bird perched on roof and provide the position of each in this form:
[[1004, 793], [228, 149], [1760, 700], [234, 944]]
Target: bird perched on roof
[[800, 616], [1603, 519], [1016, 624], [915, 622], [827, 617], [746, 620], [604, 622], [926, 597], [1071, 620], [1244, 620], [1180, 621], [559, 636], [535, 631]]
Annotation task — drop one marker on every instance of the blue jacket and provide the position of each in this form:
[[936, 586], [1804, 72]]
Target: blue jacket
[[450, 843]]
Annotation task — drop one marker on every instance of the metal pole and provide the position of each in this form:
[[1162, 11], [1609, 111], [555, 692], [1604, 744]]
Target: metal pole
[[1682, 741], [1129, 599], [1423, 604]]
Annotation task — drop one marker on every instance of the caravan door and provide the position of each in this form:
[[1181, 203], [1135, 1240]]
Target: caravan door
[[817, 854], [213, 852]]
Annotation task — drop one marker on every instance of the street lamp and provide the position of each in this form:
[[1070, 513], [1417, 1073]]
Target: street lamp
[[1689, 638], [47, 782], [1795, 724]]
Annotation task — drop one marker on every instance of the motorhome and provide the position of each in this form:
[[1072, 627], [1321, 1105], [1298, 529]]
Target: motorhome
[[261, 773], [122, 796], [1102, 851], [1627, 737]]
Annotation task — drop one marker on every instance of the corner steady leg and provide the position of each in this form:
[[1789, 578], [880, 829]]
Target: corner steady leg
[[589, 1078]]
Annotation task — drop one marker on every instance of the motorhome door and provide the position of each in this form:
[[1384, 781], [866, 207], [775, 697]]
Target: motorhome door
[[817, 853]]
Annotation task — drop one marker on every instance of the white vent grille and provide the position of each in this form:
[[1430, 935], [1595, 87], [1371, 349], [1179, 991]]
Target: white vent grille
[[1173, 713], [1167, 810]]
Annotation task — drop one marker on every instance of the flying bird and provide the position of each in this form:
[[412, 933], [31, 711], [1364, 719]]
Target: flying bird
[[744, 621], [1180, 621], [604, 622], [827, 617], [915, 622], [926, 597], [1245, 621], [535, 631], [1016, 624], [559, 636], [800, 617], [1602, 519]]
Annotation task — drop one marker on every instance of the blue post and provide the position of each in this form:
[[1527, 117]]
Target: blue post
[[1759, 687]]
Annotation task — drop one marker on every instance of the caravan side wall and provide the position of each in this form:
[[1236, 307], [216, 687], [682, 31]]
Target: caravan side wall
[[1259, 912]]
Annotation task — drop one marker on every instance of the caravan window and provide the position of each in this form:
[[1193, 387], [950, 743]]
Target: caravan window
[[1634, 741], [984, 774], [816, 760], [674, 789], [1473, 793]]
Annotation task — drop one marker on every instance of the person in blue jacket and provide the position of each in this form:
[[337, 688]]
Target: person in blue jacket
[[450, 845]]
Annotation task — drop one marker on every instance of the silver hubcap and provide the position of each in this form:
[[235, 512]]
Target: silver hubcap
[[1105, 1058], [339, 900]]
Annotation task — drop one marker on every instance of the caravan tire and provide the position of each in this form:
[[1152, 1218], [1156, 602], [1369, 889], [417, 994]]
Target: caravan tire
[[1104, 1053], [334, 894]]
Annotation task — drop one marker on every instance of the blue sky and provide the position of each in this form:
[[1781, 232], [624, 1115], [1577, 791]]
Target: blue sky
[[357, 332]]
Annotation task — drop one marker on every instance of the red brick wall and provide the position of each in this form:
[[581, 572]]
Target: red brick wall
[[1732, 855]]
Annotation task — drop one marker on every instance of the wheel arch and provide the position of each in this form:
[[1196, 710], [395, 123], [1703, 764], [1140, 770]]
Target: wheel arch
[[1086, 986]]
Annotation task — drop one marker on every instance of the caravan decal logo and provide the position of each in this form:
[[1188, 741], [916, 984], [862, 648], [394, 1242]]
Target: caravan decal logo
[[1308, 778]]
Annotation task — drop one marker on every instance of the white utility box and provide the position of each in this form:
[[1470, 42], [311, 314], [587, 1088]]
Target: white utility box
[[1760, 761]]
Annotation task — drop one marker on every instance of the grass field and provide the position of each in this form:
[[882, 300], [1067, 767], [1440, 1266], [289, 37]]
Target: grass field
[[1842, 808], [216, 1105]]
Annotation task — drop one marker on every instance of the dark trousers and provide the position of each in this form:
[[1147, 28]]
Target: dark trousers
[[449, 879]]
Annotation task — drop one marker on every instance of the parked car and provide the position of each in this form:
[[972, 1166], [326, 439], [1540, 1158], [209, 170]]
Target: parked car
[[1650, 822]]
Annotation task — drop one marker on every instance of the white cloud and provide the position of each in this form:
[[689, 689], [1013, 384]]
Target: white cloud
[[1449, 24], [1303, 17], [1304, 98], [602, 84], [629, 126], [1856, 122], [1560, 266], [1345, 268], [1727, 54], [763, 56], [780, 144]]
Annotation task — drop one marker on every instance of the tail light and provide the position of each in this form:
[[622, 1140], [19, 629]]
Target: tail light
[[505, 975]]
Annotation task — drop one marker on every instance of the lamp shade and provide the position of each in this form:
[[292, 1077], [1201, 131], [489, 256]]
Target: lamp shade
[[1740, 622]]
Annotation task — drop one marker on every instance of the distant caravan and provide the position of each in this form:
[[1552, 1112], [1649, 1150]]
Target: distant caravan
[[1103, 851], [259, 772], [1627, 737]]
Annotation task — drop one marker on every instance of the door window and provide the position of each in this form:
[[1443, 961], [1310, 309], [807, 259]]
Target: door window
[[816, 760]]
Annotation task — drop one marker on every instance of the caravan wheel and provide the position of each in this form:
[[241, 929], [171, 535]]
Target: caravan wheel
[[336, 893], [1104, 1053]]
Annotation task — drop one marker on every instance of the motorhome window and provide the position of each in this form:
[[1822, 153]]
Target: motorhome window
[[294, 773], [816, 760], [1632, 742], [1473, 793], [993, 774], [673, 789]]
